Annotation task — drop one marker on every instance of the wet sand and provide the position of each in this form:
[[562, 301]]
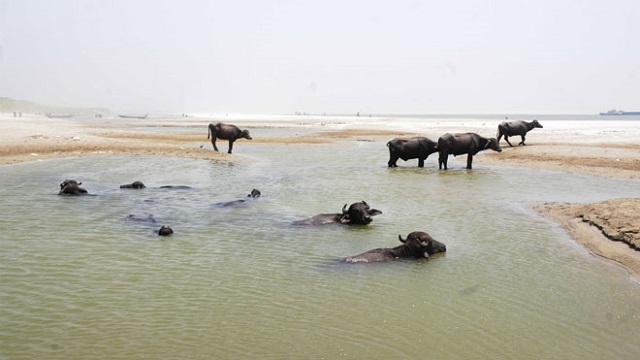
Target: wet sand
[[609, 229], [559, 147]]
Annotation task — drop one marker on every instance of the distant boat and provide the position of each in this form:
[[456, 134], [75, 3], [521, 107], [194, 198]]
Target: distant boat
[[620, 112], [61, 116], [133, 116]]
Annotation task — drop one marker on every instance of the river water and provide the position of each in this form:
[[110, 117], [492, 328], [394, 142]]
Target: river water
[[80, 280]]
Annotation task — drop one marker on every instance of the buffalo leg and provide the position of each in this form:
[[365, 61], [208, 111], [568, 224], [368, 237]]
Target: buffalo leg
[[420, 162], [442, 160], [392, 161], [522, 142], [213, 142], [506, 138], [230, 146], [469, 160]]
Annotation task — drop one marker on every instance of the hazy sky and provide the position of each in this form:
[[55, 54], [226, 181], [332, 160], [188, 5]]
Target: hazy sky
[[372, 56]]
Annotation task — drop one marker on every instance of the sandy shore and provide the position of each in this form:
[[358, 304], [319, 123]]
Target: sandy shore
[[608, 229], [610, 149]]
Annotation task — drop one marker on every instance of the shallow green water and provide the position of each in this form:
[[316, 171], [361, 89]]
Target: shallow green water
[[81, 281]]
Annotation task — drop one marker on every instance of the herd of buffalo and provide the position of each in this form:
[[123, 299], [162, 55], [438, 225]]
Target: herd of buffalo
[[418, 244]]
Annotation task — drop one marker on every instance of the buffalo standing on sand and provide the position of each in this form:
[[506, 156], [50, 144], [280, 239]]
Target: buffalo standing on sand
[[226, 132], [518, 127], [418, 245], [464, 143], [71, 187], [410, 148], [359, 213]]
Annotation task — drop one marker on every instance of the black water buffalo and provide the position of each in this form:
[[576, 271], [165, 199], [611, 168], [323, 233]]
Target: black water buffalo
[[465, 143], [176, 187], [518, 127], [255, 193], [418, 245], [146, 219], [358, 214], [71, 187], [410, 148], [165, 230], [226, 132], [133, 185]]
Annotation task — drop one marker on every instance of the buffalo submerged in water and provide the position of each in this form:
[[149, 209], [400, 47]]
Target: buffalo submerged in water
[[71, 187], [254, 194], [359, 213], [417, 245]]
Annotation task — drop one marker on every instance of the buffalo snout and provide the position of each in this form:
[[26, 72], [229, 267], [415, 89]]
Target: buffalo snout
[[494, 145], [436, 247]]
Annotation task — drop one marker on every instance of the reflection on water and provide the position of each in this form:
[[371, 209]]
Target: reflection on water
[[80, 280]]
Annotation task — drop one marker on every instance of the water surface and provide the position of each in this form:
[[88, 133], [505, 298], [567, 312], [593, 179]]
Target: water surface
[[81, 281]]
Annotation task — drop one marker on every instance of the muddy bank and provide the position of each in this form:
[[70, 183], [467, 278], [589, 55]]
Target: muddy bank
[[620, 161], [609, 229]]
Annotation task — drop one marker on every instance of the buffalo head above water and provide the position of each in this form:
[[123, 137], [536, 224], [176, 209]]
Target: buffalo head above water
[[359, 213], [133, 185], [71, 187]]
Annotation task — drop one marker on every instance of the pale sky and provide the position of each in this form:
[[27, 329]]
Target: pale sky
[[279, 57]]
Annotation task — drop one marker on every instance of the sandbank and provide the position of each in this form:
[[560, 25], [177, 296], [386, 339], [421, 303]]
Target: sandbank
[[609, 229]]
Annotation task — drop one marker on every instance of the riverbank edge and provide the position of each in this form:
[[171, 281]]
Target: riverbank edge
[[593, 233]]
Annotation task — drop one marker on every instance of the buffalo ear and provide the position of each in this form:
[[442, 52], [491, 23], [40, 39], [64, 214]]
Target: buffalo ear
[[374, 212], [344, 219]]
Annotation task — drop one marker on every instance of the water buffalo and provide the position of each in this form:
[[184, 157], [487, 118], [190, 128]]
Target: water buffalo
[[255, 193], [358, 213], [418, 245], [518, 127], [466, 143], [176, 187], [71, 187], [133, 185], [226, 132], [410, 148], [165, 230], [145, 219]]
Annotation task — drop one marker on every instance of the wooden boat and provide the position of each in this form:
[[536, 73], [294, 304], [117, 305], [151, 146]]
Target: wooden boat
[[133, 116], [61, 116]]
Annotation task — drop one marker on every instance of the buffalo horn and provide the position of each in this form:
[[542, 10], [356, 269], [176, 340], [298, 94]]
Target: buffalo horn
[[344, 209], [401, 239]]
